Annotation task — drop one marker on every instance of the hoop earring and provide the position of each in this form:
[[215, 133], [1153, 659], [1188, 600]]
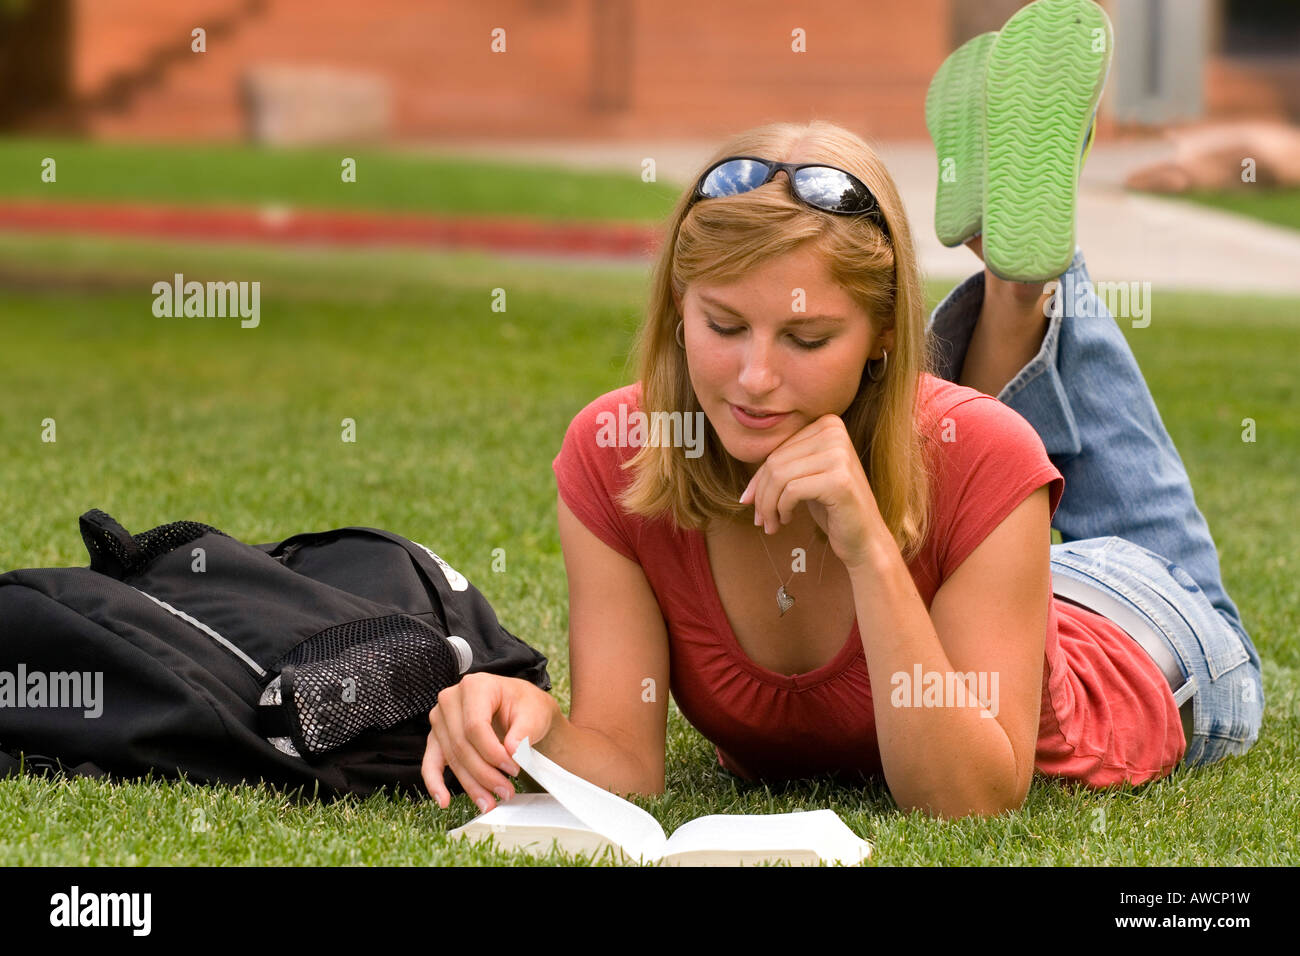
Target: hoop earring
[[883, 368], [678, 334]]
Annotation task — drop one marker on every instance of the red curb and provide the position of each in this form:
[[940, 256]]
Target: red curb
[[331, 227]]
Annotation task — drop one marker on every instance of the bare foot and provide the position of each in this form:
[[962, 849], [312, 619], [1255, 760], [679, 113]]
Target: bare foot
[[1021, 295]]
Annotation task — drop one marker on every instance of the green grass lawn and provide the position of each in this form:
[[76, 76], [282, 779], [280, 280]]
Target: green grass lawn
[[387, 180], [459, 412], [1274, 205]]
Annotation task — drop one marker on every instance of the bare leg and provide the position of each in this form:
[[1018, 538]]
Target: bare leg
[[1009, 332]]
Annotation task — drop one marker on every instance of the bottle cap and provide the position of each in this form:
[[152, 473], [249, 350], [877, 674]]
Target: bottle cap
[[464, 654]]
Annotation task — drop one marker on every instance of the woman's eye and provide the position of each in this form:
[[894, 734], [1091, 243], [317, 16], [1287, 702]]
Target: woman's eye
[[734, 330], [809, 345]]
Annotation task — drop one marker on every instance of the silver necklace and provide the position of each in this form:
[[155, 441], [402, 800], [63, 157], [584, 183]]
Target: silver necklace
[[784, 599]]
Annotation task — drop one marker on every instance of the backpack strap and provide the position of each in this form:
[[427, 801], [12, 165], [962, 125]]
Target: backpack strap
[[112, 549], [437, 575], [11, 766]]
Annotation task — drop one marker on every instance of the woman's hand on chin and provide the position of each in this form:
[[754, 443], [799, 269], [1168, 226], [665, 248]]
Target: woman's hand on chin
[[819, 465], [475, 727]]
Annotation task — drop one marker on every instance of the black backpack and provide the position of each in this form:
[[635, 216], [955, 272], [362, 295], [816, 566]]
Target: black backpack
[[309, 662]]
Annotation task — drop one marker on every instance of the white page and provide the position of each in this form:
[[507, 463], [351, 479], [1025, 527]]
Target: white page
[[531, 821], [530, 810], [820, 830], [617, 820]]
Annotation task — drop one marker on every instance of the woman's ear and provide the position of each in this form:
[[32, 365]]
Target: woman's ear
[[887, 340]]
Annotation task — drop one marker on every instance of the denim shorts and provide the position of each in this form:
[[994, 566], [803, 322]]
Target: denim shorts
[[1221, 675]]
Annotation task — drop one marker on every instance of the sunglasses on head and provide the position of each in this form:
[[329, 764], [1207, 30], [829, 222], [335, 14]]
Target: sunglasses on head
[[813, 184]]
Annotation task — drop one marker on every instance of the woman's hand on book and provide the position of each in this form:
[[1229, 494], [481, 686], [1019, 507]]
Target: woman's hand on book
[[468, 726]]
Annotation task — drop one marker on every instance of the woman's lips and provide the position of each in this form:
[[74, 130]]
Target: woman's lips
[[751, 421]]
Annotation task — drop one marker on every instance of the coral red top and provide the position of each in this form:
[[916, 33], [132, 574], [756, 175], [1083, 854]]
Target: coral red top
[[1107, 713]]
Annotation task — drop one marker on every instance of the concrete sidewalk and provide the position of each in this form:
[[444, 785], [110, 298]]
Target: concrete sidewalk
[[1126, 237]]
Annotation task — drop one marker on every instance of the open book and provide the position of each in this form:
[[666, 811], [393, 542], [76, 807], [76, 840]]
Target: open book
[[579, 817]]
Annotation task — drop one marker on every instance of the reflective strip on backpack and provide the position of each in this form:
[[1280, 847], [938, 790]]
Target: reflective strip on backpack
[[210, 632]]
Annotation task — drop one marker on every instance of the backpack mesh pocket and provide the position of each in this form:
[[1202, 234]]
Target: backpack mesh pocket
[[370, 674]]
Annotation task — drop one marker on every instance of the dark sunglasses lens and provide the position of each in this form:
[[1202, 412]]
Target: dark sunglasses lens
[[733, 176], [832, 189]]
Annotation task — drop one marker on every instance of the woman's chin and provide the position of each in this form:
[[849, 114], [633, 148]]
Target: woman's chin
[[751, 450], [751, 446]]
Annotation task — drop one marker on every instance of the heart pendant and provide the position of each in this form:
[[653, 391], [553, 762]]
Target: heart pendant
[[783, 600]]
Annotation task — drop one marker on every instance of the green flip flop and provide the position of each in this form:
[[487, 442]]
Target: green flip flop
[[1045, 74], [954, 115]]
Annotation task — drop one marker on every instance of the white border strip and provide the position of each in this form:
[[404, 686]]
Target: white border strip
[[210, 632]]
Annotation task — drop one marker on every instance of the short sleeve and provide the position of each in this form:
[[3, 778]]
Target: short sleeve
[[990, 460], [588, 476]]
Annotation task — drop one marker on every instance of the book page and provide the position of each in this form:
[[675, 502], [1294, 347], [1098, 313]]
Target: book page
[[780, 834], [534, 822], [531, 810], [617, 820]]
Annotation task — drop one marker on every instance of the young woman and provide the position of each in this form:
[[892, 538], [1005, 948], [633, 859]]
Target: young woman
[[854, 571]]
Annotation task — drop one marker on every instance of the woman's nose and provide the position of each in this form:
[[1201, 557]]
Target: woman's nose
[[759, 374]]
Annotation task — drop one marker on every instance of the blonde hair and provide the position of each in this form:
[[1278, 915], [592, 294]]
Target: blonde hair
[[724, 239]]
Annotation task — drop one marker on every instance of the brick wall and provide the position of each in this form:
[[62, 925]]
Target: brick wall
[[573, 68]]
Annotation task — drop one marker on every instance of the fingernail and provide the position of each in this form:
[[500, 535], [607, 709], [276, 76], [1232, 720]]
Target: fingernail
[[506, 769], [502, 793], [483, 804]]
